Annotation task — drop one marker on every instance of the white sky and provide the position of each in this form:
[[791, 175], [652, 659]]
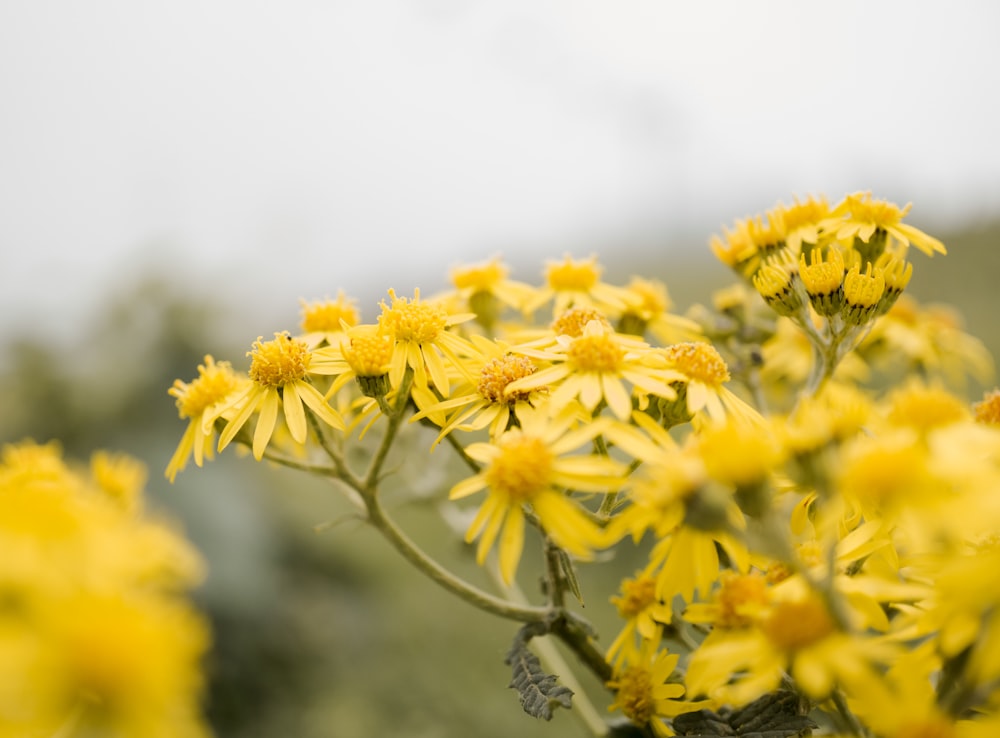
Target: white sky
[[277, 150]]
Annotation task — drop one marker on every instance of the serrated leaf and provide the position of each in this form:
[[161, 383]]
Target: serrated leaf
[[538, 692]]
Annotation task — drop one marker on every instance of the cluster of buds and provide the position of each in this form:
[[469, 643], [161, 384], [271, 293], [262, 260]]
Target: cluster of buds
[[832, 270]]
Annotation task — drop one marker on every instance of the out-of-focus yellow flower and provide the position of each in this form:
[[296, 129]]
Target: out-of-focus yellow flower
[[864, 219], [577, 283], [324, 321], [95, 637]]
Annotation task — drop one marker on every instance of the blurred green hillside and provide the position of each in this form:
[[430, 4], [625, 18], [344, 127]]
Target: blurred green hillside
[[329, 634]]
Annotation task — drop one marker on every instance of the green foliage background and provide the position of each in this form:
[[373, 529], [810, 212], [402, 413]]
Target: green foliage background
[[326, 634]]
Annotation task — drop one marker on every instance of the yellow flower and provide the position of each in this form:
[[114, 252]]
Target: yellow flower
[[201, 400], [572, 283], [988, 411], [279, 371], [489, 401], [861, 218], [703, 376], [531, 470], [594, 366], [647, 309], [797, 636], [645, 693], [643, 612], [801, 222], [324, 321], [94, 637], [121, 477], [420, 330], [739, 601], [737, 248], [484, 288], [929, 340]]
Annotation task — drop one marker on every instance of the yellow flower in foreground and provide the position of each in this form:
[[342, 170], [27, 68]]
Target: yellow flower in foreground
[[94, 637], [594, 367], [488, 402], [279, 371], [644, 692], [796, 635], [420, 330], [200, 400], [532, 470]]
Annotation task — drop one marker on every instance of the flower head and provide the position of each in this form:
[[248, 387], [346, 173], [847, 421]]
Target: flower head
[[324, 321], [531, 470], [199, 400], [279, 374], [864, 219], [421, 339], [594, 366]]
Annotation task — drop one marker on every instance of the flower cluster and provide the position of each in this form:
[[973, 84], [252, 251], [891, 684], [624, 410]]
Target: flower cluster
[[813, 502], [95, 634]]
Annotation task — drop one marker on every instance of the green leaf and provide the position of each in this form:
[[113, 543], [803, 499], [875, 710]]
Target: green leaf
[[538, 692]]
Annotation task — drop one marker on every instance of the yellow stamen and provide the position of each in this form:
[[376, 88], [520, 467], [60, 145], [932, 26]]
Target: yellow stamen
[[699, 361], [596, 353], [637, 595], [523, 468], [500, 372], [415, 321], [740, 597], [278, 362], [795, 625], [635, 694], [214, 382], [328, 316], [369, 353], [988, 411], [572, 322]]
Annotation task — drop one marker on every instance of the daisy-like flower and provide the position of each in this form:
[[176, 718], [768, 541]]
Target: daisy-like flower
[[420, 330], [594, 367], [648, 310], [643, 612], [801, 222], [200, 400], [702, 382], [737, 248], [859, 218], [672, 497], [279, 372], [324, 321], [796, 635], [488, 402], [577, 283], [645, 693], [530, 470], [485, 289]]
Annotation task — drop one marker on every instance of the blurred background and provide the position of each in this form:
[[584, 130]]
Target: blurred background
[[174, 177]]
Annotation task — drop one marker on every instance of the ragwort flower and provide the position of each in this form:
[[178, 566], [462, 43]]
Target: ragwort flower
[[592, 367], [201, 400], [531, 470], [279, 371]]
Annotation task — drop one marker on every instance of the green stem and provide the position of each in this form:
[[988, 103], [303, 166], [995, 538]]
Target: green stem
[[370, 482], [454, 584]]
